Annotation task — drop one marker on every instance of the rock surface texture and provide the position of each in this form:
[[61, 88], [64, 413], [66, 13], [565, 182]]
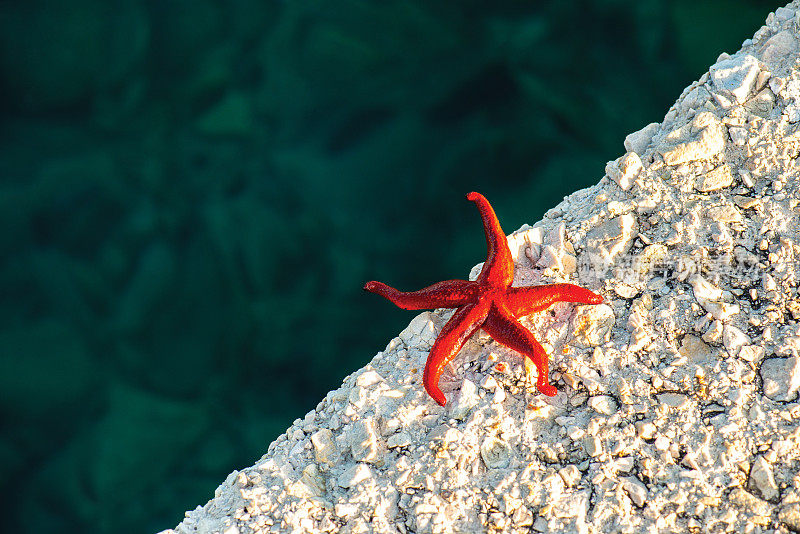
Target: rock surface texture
[[678, 408]]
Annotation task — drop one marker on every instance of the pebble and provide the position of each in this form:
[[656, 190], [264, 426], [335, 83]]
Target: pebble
[[763, 480], [701, 139], [635, 490], [495, 452], [781, 378], [736, 75], [638, 141], [625, 170], [592, 445], [324, 446], [401, 439], [603, 404], [715, 179], [674, 400], [355, 474], [467, 399]]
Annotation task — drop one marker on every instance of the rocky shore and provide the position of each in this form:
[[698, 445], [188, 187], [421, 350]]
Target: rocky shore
[[678, 405]]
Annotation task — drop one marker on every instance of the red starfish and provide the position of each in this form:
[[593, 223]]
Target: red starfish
[[489, 303]]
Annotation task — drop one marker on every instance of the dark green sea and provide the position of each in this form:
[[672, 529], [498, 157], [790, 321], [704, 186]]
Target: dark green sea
[[193, 192]]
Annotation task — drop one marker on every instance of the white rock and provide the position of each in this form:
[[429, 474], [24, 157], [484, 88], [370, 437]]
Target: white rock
[[789, 515], [368, 378], [715, 179], [696, 350], [401, 439], [638, 141], [624, 170], [604, 404], [354, 475], [611, 238], [675, 400], [549, 258], [421, 327], [495, 452], [635, 490], [570, 474], [738, 135], [779, 45], [781, 378], [311, 483], [324, 446], [763, 480], [749, 502], [736, 75], [591, 325], [592, 445], [363, 440], [701, 139], [467, 399], [734, 339]]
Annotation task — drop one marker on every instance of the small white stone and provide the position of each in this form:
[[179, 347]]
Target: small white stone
[[495, 452], [591, 325], [736, 75], [781, 378], [324, 446], [747, 501], [701, 139], [624, 464], [401, 439], [695, 349], [703, 289], [604, 404], [612, 238], [345, 510], [355, 474], [675, 400], [734, 339], [762, 479], [751, 353], [368, 378], [645, 429], [419, 330], [635, 490], [624, 170], [570, 474], [779, 46], [311, 483], [714, 332], [466, 400], [789, 515], [715, 179], [363, 440], [638, 141], [593, 446], [738, 135], [549, 258]]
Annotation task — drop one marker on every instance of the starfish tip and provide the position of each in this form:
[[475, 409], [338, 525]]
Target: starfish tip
[[473, 196]]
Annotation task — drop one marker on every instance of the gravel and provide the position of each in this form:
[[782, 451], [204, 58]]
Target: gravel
[[678, 397]]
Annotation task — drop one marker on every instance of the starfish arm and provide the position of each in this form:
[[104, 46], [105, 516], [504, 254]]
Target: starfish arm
[[505, 329], [531, 299], [498, 269], [447, 294], [464, 322]]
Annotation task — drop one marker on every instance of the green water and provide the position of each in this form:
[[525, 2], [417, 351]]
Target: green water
[[192, 194]]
